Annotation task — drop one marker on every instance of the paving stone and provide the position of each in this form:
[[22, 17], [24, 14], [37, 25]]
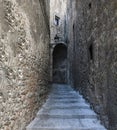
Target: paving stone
[[65, 113]]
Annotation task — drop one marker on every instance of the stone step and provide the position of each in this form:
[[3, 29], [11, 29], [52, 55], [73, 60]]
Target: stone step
[[65, 109], [65, 112], [49, 123], [74, 100], [66, 105], [61, 90], [65, 95], [67, 116], [65, 91]]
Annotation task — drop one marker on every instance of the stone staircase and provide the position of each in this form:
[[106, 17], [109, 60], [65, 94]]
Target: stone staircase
[[65, 109]]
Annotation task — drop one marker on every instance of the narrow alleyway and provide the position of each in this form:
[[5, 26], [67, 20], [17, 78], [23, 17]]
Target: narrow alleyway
[[45, 44], [65, 109]]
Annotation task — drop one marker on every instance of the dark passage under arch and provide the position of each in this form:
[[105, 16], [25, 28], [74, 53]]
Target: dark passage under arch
[[60, 64]]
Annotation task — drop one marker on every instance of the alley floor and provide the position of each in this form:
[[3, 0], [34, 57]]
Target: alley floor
[[65, 109]]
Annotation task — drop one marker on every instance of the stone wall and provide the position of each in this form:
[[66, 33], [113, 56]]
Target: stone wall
[[92, 39], [24, 61]]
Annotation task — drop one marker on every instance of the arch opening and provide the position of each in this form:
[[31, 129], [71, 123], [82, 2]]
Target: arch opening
[[60, 64]]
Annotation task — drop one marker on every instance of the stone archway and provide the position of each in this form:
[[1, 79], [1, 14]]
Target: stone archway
[[60, 64]]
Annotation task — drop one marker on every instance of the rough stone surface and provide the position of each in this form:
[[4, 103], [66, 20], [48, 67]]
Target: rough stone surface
[[65, 109], [92, 39], [24, 61]]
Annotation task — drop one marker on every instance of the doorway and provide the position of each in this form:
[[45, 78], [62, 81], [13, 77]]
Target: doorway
[[60, 64]]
